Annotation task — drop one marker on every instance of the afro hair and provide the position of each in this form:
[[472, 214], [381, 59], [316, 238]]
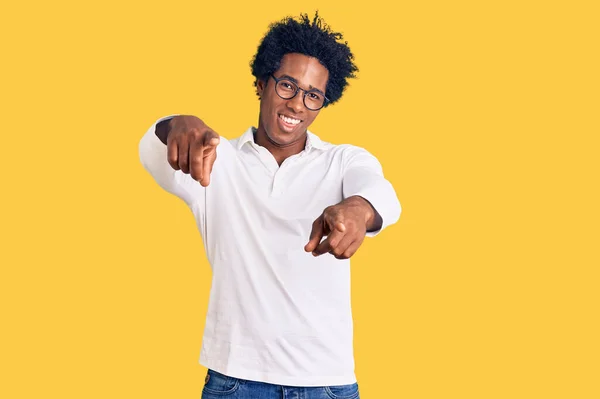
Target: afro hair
[[313, 39]]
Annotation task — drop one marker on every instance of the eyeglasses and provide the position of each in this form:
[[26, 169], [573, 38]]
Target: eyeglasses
[[286, 89]]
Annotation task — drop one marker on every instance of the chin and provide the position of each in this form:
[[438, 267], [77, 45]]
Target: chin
[[280, 137]]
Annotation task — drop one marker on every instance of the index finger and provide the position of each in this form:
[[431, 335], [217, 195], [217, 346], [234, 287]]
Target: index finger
[[211, 138], [196, 158], [316, 234], [332, 240]]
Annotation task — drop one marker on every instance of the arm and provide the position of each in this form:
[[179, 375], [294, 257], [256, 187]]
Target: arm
[[370, 204], [161, 159], [363, 177]]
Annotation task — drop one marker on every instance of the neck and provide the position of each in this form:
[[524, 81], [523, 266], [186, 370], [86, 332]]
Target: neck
[[279, 151]]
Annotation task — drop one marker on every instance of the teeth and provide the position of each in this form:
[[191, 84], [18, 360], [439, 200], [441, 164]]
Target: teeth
[[291, 121]]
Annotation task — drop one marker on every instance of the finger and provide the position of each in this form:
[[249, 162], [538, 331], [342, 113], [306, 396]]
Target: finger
[[334, 220], [316, 235], [211, 139], [335, 230], [211, 161], [196, 159], [343, 245], [208, 159], [173, 154], [351, 250], [332, 241], [183, 160]]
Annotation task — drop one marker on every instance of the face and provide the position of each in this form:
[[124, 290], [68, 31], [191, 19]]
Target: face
[[278, 117]]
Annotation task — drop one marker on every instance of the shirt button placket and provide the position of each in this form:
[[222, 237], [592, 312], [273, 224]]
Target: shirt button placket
[[277, 184]]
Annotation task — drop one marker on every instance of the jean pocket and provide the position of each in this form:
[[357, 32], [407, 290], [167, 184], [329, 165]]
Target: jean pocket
[[220, 384], [349, 391]]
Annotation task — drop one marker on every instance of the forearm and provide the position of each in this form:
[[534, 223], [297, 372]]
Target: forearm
[[153, 156], [364, 178]]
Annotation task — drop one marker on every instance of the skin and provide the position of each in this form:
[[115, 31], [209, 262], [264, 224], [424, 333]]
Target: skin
[[309, 73], [191, 148]]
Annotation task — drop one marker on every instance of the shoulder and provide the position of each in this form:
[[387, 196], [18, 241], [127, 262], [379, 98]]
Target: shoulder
[[318, 143], [346, 156], [344, 150]]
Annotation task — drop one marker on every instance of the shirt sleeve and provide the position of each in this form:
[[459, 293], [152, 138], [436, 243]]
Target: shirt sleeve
[[363, 176], [153, 156]]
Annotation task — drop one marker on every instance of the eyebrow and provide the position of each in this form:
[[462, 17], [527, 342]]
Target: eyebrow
[[310, 87]]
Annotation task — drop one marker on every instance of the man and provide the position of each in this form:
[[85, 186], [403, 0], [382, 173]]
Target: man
[[280, 213]]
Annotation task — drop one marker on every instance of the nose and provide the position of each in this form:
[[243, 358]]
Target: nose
[[296, 103]]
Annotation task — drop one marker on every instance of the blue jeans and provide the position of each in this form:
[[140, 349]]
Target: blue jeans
[[220, 386]]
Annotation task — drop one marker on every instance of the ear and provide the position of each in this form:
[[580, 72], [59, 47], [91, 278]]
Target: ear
[[260, 87]]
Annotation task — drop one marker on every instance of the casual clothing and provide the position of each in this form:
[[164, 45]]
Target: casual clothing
[[276, 313], [219, 386]]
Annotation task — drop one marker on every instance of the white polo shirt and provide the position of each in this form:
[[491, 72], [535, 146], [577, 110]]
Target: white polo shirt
[[276, 313]]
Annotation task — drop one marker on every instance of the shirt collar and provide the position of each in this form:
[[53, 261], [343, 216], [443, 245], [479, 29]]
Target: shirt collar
[[248, 136], [312, 140]]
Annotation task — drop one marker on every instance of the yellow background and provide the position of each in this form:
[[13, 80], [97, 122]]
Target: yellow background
[[483, 114]]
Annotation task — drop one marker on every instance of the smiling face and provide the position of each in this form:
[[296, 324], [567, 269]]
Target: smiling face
[[284, 122]]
